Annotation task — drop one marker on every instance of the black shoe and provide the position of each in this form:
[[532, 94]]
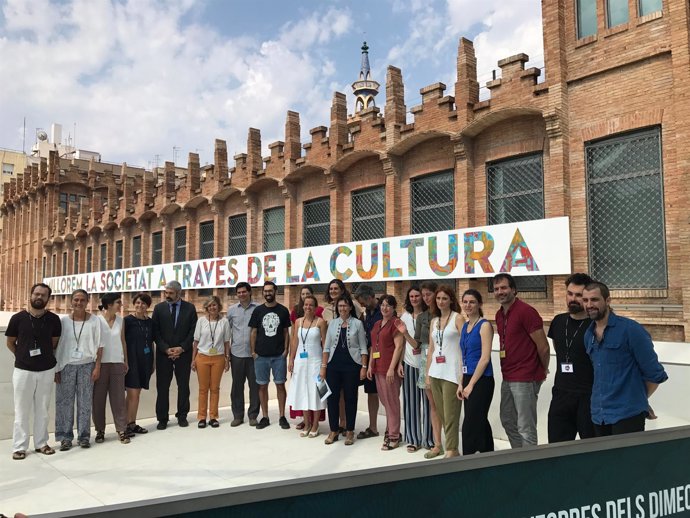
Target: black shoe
[[162, 425], [263, 423], [213, 423], [236, 422], [65, 445], [182, 421], [202, 424], [283, 423], [100, 436], [84, 443]]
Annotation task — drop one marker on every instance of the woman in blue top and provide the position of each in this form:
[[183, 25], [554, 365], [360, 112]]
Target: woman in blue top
[[477, 388]]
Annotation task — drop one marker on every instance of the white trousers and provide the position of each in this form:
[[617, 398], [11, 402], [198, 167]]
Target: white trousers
[[32, 392]]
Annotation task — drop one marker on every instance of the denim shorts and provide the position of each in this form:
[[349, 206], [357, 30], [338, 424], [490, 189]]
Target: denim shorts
[[263, 365]]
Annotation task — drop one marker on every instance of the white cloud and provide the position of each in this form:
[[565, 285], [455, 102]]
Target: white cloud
[[138, 79]]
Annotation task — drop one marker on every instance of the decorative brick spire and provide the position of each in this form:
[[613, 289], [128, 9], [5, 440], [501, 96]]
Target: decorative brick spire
[[365, 89]]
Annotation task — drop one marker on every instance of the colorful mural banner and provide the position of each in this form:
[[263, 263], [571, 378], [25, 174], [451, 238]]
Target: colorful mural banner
[[539, 247]]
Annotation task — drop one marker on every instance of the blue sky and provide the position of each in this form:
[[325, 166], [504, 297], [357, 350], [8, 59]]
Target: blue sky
[[141, 77]]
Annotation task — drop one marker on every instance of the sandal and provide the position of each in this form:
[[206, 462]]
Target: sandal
[[342, 431], [46, 450], [313, 434], [135, 428], [390, 444], [349, 438], [100, 436], [19, 455], [300, 427], [304, 433], [433, 453], [367, 433], [124, 438], [332, 437], [411, 448], [65, 445]]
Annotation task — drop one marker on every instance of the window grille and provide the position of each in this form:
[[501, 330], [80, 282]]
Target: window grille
[[206, 240], [516, 193], [180, 245], [104, 257], [157, 248], [237, 235], [274, 229], [118, 254], [369, 214], [627, 245], [316, 218], [432, 204], [136, 251]]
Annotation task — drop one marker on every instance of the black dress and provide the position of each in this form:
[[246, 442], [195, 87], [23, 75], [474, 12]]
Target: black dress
[[139, 340]]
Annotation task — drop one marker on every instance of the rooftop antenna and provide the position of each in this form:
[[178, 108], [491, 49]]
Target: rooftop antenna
[[175, 150], [24, 137]]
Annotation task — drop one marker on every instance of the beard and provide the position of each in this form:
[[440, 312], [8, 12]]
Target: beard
[[596, 314], [575, 307], [38, 303], [269, 298]]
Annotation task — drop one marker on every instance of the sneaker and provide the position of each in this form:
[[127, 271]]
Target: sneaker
[[182, 421], [283, 423], [84, 443], [237, 421], [263, 423], [162, 425], [65, 445], [253, 421], [100, 436]]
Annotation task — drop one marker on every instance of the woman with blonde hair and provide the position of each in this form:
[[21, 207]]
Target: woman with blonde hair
[[210, 358]]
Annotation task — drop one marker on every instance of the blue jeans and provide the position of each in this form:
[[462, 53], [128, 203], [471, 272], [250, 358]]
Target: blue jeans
[[519, 411], [263, 365]]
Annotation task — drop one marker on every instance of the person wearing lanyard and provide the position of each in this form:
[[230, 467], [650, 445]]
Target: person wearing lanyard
[[32, 336], [418, 432], [343, 366], [306, 351], [525, 356], [139, 341], [443, 366], [114, 365], [478, 384], [210, 358], [569, 412], [387, 345], [78, 357]]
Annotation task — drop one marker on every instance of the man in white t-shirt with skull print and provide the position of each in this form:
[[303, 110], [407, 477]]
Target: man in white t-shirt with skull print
[[270, 343]]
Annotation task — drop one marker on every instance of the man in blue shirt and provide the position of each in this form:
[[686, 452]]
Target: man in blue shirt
[[626, 368]]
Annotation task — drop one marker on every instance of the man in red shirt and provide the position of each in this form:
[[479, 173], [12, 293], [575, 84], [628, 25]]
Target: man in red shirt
[[524, 355]]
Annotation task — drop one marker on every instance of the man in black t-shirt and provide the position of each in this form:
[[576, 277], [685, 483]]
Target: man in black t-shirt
[[569, 413], [270, 343], [32, 336]]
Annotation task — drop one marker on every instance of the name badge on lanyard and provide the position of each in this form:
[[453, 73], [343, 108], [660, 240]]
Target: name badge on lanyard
[[502, 354], [567, 368], [376, 355], [464, 369], [77, 355], [440, 359], [416, 351], [34, 352], [304, 354]]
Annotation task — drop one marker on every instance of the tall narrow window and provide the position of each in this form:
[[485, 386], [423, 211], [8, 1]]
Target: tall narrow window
[[586, 18], [89, 259], [53, 266], [64, 263], [104, 257], [118, 254], [206, 240], [274, 229], [625, 207], [43, 267], [237, 235], [433, 206], [316, 216], [616, 12], [180, 245], [649, 6], [136, 251], [157, 248], [516, 193], [368, 214], [75, 267]]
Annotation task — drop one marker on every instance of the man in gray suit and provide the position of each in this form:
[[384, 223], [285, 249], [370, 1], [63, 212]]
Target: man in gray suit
[[174, 322]]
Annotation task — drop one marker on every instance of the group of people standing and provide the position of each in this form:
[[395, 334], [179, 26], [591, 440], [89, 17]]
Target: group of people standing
[[436, 350]]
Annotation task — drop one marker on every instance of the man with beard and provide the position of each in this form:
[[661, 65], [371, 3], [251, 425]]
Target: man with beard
[[174, 321], [569, 413], [524, 354], [626, 368], [32, 336], [270, 342]]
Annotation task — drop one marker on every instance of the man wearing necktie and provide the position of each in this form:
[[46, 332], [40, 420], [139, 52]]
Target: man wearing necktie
[[174, 321]]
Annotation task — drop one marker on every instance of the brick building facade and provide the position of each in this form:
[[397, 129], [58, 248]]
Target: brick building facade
[[603, 140]]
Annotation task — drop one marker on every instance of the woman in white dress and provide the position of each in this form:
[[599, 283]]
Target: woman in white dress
[[306, 352]]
